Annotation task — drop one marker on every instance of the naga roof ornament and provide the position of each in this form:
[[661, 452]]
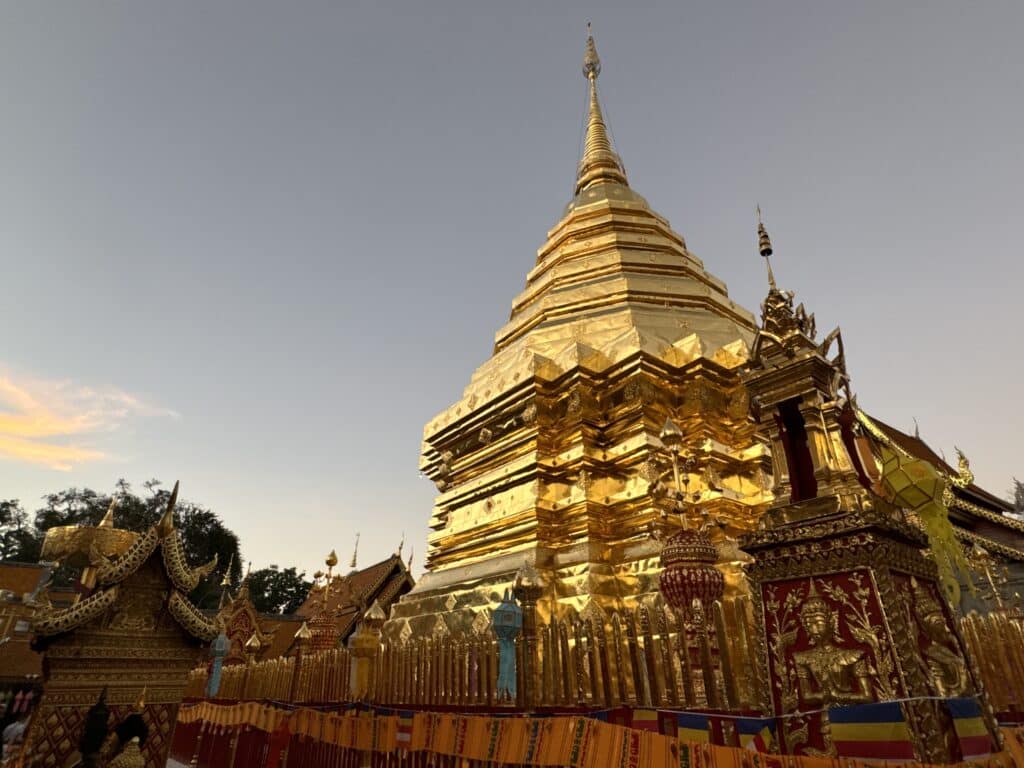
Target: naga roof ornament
[[114, 556]]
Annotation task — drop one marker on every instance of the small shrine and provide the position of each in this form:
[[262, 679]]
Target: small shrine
[[127, 644], [854, 609]]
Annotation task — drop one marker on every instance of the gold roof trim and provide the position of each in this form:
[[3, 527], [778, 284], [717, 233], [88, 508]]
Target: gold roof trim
[[112, 572], [966, 506], [184, 576], [990, 544], [54, 622], [190, 618]]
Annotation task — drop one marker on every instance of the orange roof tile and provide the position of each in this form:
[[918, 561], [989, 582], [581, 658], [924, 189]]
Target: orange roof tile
[[20, 578]]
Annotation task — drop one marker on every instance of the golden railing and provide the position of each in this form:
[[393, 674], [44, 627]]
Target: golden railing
[[996, 643], [646, 657]]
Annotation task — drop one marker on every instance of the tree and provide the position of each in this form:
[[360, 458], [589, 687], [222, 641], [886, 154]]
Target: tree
[[1018, 496], [18, 540], [277, 590]]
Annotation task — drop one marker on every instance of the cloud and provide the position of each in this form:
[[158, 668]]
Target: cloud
[[53, 423]]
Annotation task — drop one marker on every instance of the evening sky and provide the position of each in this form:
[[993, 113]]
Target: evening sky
[[256, 246]]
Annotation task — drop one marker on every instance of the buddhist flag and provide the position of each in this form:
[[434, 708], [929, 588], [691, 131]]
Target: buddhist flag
[[971, 731], [756, 734], [692, 728], [645, 720], [403, 738], [871, 730]]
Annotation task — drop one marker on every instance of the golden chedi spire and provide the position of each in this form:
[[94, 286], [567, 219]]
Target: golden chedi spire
[[610, 327], [599, 163]]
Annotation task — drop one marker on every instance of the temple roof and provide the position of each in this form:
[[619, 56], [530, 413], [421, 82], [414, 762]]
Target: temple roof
[[919, 449], [111, 572], [359, 588], [977, 514], [350, 596], [21, 578]]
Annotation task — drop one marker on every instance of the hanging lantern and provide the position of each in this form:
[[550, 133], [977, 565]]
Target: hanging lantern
[[688, 571], [507, 623]]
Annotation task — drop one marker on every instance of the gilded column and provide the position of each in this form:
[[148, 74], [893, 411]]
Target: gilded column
[[302, 638], [364, 645]]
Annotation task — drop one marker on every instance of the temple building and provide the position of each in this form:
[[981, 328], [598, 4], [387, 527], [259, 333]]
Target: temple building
[[335, 605], [242, 622], [338, 603], [554, 455]]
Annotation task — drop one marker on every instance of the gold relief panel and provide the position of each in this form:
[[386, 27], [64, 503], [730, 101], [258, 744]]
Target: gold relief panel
[[828, 645]]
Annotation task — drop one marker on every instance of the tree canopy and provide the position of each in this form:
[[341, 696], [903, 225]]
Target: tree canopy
[[277, 590]]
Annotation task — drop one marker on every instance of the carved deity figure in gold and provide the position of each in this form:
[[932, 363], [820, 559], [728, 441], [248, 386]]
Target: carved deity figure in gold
[[829, 673], [946, 669]]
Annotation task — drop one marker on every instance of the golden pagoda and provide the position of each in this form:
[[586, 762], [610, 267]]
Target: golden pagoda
[[552, 455]]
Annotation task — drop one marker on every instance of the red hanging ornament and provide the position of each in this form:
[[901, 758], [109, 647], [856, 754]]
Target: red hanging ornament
[[688, 571]]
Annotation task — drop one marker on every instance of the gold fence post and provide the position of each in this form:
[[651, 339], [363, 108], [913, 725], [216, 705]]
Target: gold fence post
[[302, 638], [731, 691], [527, 589], [252, 647], [364, 645], [702, 620]]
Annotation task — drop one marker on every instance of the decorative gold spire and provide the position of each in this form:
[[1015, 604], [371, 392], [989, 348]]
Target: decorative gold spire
[[355, 554], [599, 162], [226, 581], [166, 524], [303, 634], [401, 546], [108, 519], [764, 246]]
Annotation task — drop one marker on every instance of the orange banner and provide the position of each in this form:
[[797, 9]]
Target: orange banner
[[570, 740]]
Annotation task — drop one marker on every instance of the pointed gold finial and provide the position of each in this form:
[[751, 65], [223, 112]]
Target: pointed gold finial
[[671, 435], [140, 705], [412, 551], [332, 559], [401, 546], [764, 246], [226, 581], [591, 61], [108, 519], [599, 162], [355, 553], [252, 645], [304, 633], [166, 524]]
